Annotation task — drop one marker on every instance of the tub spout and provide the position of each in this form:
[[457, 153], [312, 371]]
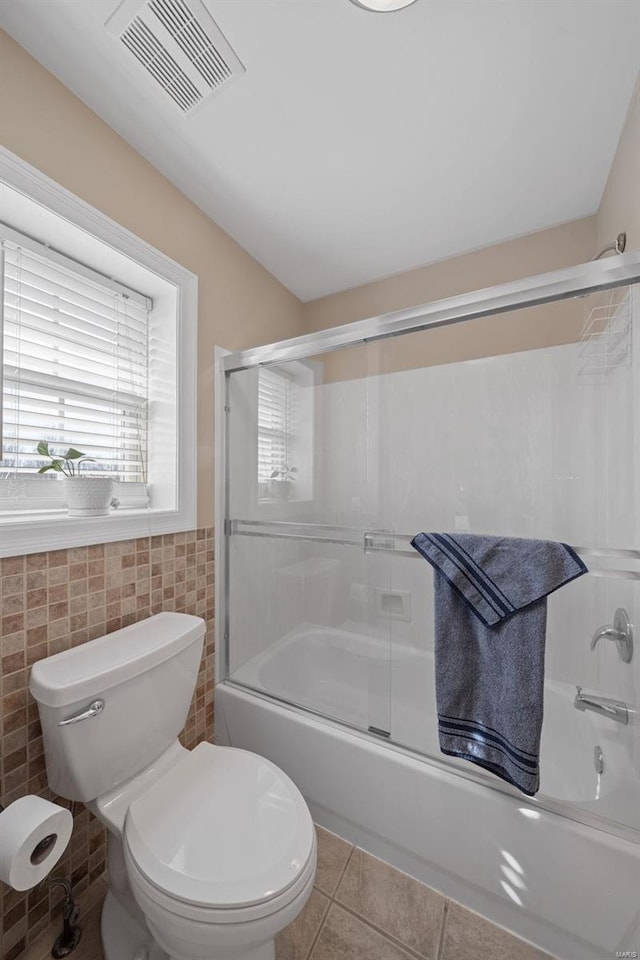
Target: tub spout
[[614, 709]]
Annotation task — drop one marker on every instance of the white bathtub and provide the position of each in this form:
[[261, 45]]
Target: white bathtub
[[570, 888], [366, 681]]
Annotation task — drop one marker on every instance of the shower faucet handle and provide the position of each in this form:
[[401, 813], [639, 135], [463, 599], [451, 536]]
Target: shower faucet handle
[[621, 633]]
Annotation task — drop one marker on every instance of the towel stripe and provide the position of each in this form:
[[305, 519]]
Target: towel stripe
[[427, 551], [479, 575], [485, 761], [489, 738], [427, 548], [481, 742], [446, 553], [496, 768], [479, 570], [459, 561], [478, 723], [502, 741]]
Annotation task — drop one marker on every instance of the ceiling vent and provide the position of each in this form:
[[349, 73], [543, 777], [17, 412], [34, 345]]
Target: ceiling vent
[[179, 45]]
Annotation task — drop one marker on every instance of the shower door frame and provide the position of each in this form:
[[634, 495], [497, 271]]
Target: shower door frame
[[622, 270], [577, 281]]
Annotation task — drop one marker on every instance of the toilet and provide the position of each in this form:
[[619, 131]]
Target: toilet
[[211, 851]]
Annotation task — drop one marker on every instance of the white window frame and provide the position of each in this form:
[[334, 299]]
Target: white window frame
[[20, 536]]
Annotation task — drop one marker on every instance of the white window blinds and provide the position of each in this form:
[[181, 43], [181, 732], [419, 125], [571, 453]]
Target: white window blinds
[[76, 357], [275, 416]]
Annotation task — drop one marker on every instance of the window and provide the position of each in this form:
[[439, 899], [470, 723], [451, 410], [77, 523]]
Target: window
[[76, 364], [99, 343], [275, 424]]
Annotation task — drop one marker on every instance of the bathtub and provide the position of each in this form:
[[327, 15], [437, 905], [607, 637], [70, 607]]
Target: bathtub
[[568, 887]]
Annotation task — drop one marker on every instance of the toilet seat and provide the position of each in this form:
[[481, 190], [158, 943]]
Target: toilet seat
[[222, 831]]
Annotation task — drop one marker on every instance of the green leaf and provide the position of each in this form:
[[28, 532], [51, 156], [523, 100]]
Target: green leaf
[[54, 465], [72, 454], [43, 448]]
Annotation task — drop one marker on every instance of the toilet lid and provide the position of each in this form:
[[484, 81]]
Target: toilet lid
[[224, 827]]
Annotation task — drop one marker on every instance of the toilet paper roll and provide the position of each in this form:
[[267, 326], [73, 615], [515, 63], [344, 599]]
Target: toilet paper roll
[[34, 834]]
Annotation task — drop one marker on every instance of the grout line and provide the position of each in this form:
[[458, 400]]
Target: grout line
[[320, 925], [333, 898], [366, 920], [445, 914], [342, 872], [381, 932]]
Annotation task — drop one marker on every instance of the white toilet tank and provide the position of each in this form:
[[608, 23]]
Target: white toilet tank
[[133, 686]]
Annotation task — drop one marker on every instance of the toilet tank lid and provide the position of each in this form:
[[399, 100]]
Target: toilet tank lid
[[100, 664]]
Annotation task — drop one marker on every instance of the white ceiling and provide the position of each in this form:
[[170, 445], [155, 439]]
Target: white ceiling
[[358, 145]]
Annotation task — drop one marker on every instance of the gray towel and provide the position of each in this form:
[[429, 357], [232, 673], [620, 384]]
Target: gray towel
[[490, 624]]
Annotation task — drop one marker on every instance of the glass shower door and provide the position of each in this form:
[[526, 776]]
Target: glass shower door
[[523, 424], [299, 502], [470, 434]]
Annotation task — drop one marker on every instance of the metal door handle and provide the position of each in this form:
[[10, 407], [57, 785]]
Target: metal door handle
[[92, 711]]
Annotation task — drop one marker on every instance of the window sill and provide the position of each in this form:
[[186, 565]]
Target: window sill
[[40, 531], [46, 513]]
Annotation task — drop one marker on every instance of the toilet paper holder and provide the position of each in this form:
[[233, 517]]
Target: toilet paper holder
[[69, 939], [71, 934]]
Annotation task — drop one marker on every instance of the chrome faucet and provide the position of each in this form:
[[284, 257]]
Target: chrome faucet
[[614, 709]]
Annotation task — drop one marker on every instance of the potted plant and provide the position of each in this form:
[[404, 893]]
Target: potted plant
[[281, 482], [86, 496]]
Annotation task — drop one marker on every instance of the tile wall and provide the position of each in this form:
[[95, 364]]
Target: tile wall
[[52, 601]]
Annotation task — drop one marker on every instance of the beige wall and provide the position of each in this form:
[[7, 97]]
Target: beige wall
[[240, 303], [620, 206], [539, 252], [536, 253]]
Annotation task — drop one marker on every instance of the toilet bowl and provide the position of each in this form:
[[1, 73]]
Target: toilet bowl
[[211, 851], [220, 855]]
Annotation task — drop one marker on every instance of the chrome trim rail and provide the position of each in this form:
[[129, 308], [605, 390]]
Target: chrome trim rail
[[384, 541], [517, 295]]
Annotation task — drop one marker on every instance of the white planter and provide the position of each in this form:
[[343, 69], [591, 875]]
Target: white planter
[[88, 496], [280, 489]]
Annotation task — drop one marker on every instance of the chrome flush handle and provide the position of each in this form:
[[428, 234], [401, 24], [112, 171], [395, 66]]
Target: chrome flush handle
[[621, 633], [92, 711]]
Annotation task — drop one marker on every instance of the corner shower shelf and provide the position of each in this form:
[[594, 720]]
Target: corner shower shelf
[[626, 560], [606, 338]]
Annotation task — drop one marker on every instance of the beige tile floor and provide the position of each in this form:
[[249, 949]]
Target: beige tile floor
[[363, 909]]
